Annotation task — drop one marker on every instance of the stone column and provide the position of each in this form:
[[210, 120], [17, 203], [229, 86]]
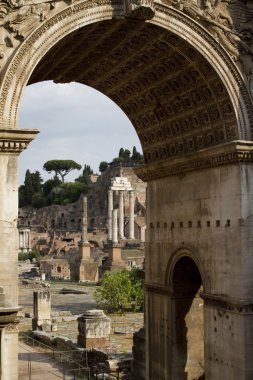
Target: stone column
[[121, 215], [9, 352], [110, 208], [26, 240], [84, 219], [29, 239], [131, 215], [12, 142], [20, 239], [115, 226]]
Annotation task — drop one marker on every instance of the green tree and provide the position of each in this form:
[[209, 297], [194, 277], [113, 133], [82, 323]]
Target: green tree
[[103, 166], [28, 188], [67, 192], [38, 200], [136, 156], [37, 182], [85, 177], [121, 153], [121, 291], [21, 196], [33, 254], [127, 154], [50, 184], [61, 167]]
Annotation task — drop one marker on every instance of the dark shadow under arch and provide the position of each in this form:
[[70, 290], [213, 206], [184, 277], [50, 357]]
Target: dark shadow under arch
[[187, 322]]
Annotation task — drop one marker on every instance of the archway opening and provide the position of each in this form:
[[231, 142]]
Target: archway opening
[[188, 328], [174, 98]]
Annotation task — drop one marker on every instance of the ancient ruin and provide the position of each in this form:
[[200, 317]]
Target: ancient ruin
[[181, 70], [94, 329], [42, 310]]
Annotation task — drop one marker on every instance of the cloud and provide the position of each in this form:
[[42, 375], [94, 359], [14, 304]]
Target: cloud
[[76, 122]]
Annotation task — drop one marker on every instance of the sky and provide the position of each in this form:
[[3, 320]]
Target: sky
[[75, 122]]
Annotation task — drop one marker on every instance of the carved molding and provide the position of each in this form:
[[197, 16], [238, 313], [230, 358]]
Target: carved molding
[[219, 302], [228, 304], [226, 154], [15, 141], [11, 328]]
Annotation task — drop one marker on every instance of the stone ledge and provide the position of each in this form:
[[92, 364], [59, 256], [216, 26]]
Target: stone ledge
[[225, 154], [238, 306], [16, 140]]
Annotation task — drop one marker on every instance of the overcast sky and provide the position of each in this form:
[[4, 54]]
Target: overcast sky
[[76, 122]]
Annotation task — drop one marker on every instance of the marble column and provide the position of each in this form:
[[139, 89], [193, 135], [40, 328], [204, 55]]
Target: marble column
[[110, 208], [121, 215], [12, 142], [115, 226], [131, 215]]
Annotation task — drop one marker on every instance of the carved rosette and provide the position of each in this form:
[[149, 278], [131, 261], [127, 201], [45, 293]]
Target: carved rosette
[[140, 9], [15, 141]]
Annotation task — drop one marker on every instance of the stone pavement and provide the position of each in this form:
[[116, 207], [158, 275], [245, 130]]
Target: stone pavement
[[34, 365]]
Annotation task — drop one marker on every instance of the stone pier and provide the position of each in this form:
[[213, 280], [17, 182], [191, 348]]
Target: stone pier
[[42, 310], [94, 329]]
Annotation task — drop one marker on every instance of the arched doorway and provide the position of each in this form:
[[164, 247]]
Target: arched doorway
[[189, 104], [187, 329]]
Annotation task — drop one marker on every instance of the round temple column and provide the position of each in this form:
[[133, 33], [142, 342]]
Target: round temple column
[[115, 226], [131, 215], [121, 215], [110, 208], [84, 220]]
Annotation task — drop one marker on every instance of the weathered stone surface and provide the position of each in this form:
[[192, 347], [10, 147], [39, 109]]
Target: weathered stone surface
[[181, 70], [94, 329]]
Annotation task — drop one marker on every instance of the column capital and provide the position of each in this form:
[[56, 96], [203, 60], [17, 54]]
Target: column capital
[[16, 140]]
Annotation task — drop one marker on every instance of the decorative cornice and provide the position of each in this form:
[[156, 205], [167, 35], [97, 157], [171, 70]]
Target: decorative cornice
[[228, 304], [157, 289], [16, 140], [220, 155]]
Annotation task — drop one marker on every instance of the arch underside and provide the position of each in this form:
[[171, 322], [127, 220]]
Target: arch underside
[[174, 98]]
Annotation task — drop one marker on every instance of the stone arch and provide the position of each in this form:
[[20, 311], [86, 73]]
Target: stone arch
[[194, 256], [228, 118], [187, 322]]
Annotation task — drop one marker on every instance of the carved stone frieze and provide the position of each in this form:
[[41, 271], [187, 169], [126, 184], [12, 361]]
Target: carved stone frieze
[[230, 22], [227, 154], [15, 141], [140, 9], [11, 328]]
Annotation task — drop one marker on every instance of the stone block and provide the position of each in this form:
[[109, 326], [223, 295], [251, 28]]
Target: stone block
[[94, 329]]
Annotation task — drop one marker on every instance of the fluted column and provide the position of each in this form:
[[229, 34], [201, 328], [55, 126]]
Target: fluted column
[[110, 208], [121, 215], [115, 226], [131, 215]]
